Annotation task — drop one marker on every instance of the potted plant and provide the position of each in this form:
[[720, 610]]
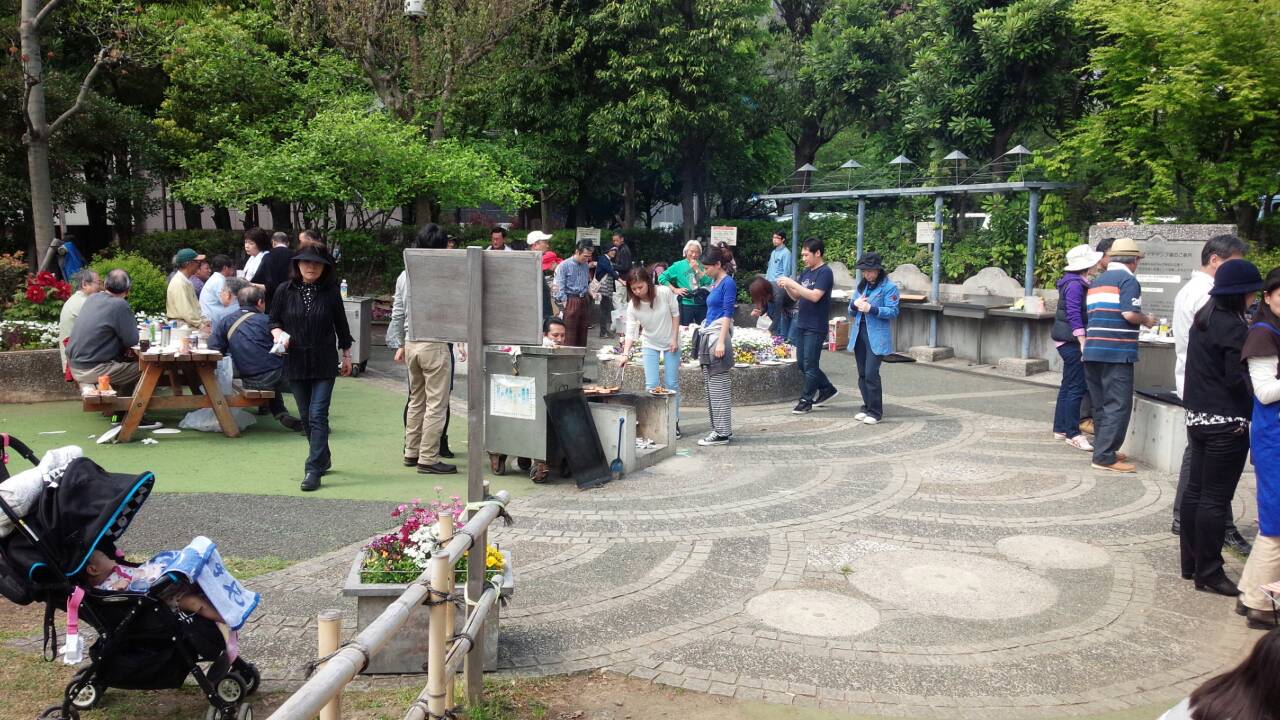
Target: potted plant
[[388, 563]]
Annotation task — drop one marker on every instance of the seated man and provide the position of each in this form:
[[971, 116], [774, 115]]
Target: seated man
[[227, 302], [245, 334], [180, 298], [223, 267], [103, 337], [553, 332]]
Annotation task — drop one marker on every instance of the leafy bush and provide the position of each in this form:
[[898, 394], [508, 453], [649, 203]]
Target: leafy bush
[[147, 294], [13, 277], [159, 247]]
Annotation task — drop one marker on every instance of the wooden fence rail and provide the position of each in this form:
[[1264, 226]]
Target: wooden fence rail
[[340, 669]]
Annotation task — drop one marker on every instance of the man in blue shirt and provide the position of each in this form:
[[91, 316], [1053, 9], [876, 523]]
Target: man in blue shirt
[[246, 335], [572, 279], [1114, 308], [780, 265], [813, 308], [223, 268]]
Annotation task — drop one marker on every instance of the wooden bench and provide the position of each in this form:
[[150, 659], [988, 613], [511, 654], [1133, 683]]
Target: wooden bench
[[111, 404]]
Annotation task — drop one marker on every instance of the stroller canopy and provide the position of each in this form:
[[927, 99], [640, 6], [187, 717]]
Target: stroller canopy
[[87, 509]]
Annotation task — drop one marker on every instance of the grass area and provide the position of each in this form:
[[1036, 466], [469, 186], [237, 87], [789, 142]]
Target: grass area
[[266, 459]]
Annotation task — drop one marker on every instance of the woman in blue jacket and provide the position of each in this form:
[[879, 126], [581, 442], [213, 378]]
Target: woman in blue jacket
[[870, 337]]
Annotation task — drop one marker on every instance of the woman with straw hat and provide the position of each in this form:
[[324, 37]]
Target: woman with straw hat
[[1069, 324]]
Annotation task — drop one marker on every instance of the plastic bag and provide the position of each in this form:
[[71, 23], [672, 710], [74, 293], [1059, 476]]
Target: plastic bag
[[765, 322], [205, 421]]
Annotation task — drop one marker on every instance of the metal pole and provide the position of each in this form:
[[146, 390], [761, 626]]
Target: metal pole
[[935, 288], [1029, 285], [862, 219], [474, 669], [796, 209]]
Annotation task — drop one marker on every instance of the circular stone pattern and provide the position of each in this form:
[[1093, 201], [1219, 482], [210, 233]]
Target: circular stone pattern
[[813, 612], [1046, 551], [964, 587]]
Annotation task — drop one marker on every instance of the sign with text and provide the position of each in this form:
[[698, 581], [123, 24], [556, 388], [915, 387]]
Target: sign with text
[[726, 234], [590, 234], [1172, 253], [924, 233], [438, 297]]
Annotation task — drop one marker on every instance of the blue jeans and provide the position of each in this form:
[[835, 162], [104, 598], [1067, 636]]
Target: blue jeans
[[671, 375], [868, 375], [808, 353], [1066, 413], [313, 398]]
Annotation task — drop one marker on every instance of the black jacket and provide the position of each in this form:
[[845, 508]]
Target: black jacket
[[273, 271], [1216, 381], [314, 335]]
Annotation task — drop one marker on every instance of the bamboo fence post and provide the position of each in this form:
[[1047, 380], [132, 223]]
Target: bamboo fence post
[[328, 635], [437, 632], [444, 533]]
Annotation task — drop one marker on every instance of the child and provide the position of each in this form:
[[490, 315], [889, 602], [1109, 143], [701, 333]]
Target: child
[[104, 573]]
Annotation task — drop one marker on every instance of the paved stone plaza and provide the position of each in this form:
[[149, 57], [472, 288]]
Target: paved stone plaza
[[953, 561]]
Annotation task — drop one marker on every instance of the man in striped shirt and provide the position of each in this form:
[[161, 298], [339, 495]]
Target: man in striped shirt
[[1114, 307]]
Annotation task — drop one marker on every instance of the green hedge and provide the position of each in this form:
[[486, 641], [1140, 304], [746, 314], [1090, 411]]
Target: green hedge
[[160, 247], [147, 295]]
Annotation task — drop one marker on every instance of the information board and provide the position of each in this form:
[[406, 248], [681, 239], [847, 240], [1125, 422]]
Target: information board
[[589, 234], [726, 234], [438, 296], [1171, 254], [924, 233]]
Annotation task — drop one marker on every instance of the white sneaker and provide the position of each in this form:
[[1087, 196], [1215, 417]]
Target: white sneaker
[[868, 420], [1080, 442], [860, 416], [1059, 436]]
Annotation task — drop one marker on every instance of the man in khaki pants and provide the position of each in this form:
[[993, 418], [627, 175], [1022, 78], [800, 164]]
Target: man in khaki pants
[[429, 370]]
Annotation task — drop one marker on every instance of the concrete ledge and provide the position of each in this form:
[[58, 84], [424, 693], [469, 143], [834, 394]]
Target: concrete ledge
[[34, 376], [1021, 367], [926, 353], [753, 385], [1157, 434]]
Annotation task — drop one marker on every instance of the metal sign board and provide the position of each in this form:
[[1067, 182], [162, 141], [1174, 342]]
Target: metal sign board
[[924, 233], [438, 297], [590, 234], [726, 234]]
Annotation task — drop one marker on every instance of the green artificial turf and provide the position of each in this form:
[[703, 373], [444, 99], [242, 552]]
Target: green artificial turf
[[367, 441]]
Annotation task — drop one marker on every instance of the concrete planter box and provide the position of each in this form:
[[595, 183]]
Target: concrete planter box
[[34, 376], [406, 653], [752, 385]]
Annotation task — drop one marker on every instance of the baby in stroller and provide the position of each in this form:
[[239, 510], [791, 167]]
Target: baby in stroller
[[106, 575]]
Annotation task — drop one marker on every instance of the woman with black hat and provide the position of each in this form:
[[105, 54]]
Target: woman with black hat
[[870, 337], [1218, 404], [307, 314]]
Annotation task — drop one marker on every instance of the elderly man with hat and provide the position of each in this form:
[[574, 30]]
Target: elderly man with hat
[[1114, 306], [180, 299], [541, 242], [1068, 335], [870, 337]]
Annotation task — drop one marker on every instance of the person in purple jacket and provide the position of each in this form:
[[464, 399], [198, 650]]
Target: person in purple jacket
[[1068, 334]]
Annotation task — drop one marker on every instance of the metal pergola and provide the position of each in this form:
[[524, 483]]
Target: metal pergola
[[903, 178]]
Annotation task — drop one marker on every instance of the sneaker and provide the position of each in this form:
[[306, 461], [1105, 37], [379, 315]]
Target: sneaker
[[1118, 466], [1080, 442], [802, 407], [860, 416], [714, 438], [1235, 541], [825, 396], [1059, 436], [869, 420]]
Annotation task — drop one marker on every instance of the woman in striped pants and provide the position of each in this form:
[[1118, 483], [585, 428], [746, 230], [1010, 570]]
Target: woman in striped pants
[[713, 346]]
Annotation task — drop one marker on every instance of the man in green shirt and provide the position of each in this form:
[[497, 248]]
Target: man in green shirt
[[685, 277]]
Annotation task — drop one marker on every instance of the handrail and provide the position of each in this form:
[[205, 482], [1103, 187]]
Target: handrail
[[340, 669], [419, 709]]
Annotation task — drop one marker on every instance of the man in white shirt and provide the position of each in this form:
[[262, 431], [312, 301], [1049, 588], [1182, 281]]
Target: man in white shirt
[[211, 294], [1217, 250]]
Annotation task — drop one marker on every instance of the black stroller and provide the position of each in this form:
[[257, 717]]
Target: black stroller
[[142, 643]]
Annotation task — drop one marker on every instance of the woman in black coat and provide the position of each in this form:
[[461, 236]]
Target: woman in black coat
[[309, 309], [1218, 404]]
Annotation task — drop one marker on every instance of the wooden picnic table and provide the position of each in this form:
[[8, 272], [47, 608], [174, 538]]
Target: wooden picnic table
[[196, 367]]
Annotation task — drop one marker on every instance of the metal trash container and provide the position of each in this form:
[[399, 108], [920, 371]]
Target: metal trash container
[[360, 319], [515, 420]]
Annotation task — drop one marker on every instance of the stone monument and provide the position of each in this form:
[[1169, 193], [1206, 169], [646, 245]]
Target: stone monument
[[1172, 253]]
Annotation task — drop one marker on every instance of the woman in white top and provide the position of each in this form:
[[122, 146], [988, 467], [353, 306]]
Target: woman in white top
[[653, 315], [1249, 691], [257, 243]]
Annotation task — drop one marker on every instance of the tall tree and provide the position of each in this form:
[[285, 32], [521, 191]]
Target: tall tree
[[1185, 117], [681, 75]]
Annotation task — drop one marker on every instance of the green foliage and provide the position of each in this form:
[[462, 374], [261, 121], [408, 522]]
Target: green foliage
[[160, 246], [147, 295], [1187, 119]]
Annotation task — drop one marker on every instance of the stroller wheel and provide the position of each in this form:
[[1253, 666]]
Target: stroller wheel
[[86, 696], [231, 689], [252, 678], [245, 712], [54, 712]]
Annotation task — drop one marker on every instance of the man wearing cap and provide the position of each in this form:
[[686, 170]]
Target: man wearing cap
[[541, 242], [1114, 305], [1217, 250], [1068, 335], [180, 299]]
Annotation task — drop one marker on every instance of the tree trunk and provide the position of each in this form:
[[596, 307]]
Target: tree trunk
[[221, 218], [192, 216], [544, 209], [95, 172], [810, 140], [250, 217], [37, 137], [629, 202], [688, 175], [339, 215], [1247, 221], [124, 212], [424, 210], [280, 219]]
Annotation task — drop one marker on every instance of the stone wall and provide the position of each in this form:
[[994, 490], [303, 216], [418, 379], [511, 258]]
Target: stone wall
[[33, 376], [753, 385]]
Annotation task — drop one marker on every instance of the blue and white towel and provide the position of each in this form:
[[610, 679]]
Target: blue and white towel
[[200, 563]]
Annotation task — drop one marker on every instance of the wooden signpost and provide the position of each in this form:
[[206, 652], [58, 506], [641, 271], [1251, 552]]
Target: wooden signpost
[[479, 298]]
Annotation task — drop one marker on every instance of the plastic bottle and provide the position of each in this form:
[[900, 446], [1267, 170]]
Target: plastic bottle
[[343, 288], [151, 331], [164, 335]]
